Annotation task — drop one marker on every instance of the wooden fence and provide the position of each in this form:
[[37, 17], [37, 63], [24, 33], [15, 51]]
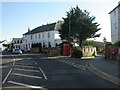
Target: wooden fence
[[112, 52]]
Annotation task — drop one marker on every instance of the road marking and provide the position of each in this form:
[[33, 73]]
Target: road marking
[[31, 86], [74, 65], [14, 63], [43, 73], [26, 75], [7, 76], [14, 60], [35, 62], [24, 66], [26, 70]]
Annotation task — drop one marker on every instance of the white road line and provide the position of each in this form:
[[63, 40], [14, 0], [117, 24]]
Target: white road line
[[74, 65], [43, 73], [7, 76], [14, 60], [14, 63], [26, 75], [24, 66], [26, 70], [31, 86], [35, 62]]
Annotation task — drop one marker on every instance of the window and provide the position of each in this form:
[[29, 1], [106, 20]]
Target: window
[[43, 35], [114, 12], [39, 36], [115, 26], [48, 34], [31, 37], [43, 44], [36, 36]]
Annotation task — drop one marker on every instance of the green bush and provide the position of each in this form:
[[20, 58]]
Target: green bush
[[77, 52], [117, 43], [34, 45]]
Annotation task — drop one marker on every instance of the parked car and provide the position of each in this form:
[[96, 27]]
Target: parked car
[[17, 51]]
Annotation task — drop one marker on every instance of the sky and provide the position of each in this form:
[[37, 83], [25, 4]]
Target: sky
[[17, 16]]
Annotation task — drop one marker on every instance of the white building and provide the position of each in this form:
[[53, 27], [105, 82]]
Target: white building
[[45, 34], [115, 23], [17, 43]]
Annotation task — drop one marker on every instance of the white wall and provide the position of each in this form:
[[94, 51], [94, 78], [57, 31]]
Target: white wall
[[52, 38], [115, 25], [119, 23]]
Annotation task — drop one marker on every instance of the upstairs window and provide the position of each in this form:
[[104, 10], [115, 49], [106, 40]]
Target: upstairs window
[[31, 37], [48, 34], [43, 35], [115, 12], [36, 36], [39, 36]]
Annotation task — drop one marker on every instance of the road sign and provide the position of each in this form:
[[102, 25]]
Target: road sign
[[104, 40]]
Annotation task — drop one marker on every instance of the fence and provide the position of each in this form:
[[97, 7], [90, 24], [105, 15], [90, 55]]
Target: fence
[[52, 50], [112, 52]]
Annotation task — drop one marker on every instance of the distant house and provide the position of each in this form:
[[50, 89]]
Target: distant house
[[17, 43], [45, 34], [1, 44], [115, 24]]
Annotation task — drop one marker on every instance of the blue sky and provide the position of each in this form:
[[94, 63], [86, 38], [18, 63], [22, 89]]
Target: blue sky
[[18, 16]]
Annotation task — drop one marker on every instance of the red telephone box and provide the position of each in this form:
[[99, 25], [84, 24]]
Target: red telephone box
[[66, 49]]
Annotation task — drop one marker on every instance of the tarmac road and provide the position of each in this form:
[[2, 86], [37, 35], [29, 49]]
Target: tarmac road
[[38, 71]]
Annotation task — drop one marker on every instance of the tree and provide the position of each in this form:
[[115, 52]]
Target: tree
[[78, 25], [7, 45]]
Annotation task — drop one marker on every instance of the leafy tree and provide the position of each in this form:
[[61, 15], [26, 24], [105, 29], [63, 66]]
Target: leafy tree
[[7, 45], [78, 25], [89, 43], [117, 43]]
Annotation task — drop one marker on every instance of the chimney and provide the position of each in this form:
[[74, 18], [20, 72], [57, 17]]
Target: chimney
[[28, 29]]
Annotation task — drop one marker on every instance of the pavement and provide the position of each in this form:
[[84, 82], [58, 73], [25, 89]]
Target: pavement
[[104, 68]]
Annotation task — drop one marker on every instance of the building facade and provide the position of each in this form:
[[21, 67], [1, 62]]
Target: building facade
[[115, 24], [45, 34], [17, 43]]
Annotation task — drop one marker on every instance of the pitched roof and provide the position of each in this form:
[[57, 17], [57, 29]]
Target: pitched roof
[[114, 8], [17, 38], [43, 28]]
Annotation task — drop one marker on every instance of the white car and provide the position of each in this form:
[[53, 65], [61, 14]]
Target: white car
[[17, 51]]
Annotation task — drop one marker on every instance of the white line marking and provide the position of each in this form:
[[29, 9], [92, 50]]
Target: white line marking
[[24, 66], [35, 62], [43, 73], [14, 63], [75, 65], [17, 83], [14, 60], [26, 70], [26, 75], [7, 76]]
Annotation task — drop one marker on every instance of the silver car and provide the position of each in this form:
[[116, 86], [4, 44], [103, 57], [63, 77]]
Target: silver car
[[17, 51]]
